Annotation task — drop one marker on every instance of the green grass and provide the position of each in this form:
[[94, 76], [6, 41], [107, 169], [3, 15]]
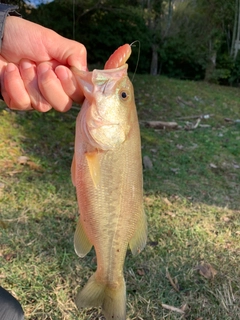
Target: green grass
[[191, 198]]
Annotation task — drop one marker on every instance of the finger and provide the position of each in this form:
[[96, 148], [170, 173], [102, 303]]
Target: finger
[[69, 84], [13, 89], [28, 72], [78, 59], [51, 88]]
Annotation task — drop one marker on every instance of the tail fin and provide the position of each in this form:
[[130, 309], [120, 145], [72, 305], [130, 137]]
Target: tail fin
[[112, 300]]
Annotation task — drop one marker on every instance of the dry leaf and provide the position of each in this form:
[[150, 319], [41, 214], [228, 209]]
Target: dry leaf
[[171, 308], [171, 214], [212, 165], [167, 201], [207, 271], [173, 283], [141, 272], [147, 163], [34, 166], [185, 307], [226, 219], [175, 170], [153, 150], [161, 125], [22, 160], [179, 146], [149, 200], [11, 173], [9, 256], [3, 225]]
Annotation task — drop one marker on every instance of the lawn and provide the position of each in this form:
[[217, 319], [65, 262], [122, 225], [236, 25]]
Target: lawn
[[190, 268]]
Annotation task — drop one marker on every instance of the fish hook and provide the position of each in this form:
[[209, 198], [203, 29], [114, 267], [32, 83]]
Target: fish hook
[[139, 49]]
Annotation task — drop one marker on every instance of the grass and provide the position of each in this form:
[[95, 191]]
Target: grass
[[191, 196]]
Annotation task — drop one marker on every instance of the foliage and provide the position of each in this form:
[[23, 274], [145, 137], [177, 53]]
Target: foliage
[[94, 27], [234, 78], [191, 198], [184, 36], [183, 54], [180, 60]]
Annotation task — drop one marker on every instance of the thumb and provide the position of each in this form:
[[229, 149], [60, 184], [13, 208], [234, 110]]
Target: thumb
[[68, 52], [78, 60]]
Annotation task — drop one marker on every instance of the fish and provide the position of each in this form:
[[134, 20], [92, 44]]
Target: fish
[[107, 174]]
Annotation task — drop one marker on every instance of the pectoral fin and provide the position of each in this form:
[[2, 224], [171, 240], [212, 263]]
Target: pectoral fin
[[139, 239], [93, 160], [82, 245]]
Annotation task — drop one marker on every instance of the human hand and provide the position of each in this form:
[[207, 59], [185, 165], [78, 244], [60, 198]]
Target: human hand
[[34, 65]]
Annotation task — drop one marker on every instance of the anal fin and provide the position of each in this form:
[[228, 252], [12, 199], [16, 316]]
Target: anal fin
[[139, 239]]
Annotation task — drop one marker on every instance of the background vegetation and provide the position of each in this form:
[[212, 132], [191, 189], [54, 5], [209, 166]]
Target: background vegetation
[[187, 39]]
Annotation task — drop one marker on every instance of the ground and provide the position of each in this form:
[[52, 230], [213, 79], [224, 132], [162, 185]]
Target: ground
[[190, 268]]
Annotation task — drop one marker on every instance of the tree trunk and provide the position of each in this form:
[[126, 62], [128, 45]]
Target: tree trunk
[[211, 66], [169, 18], [234, 29], [154, 62], [236, 32]]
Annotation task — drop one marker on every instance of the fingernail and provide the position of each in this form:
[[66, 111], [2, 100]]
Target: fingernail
[[62, 73], [25, 64], [10, 67], [79, 66], [43, 67]]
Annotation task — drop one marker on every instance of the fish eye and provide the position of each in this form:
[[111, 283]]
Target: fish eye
[[123, 95]]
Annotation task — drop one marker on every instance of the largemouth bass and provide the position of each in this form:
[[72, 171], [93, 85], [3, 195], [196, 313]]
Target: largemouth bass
[[107, 174]]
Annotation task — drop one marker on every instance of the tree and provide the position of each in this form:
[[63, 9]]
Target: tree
[[236, 31], [101, 26], [199, 39], [158, 17]]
